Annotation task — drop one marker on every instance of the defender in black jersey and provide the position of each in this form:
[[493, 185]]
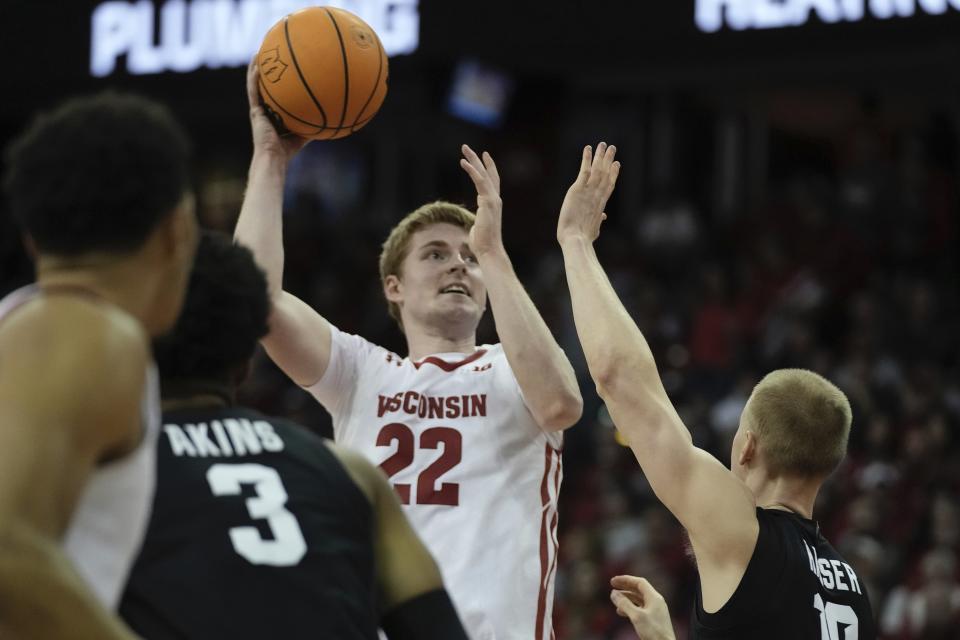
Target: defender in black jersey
[[261, 529], [765, 571]]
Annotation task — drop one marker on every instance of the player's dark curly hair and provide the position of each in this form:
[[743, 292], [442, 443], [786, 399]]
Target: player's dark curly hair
[[97, 173], [224, 315]]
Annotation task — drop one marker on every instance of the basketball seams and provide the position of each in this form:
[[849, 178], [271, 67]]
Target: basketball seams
[[376, 83], [346, 69], [316, 54], [279, 106], [296, 65], [345, 127]]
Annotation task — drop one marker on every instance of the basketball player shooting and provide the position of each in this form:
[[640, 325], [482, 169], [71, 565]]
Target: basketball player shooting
[[765, 569], [308, 538], [469, 435], [101, 191]]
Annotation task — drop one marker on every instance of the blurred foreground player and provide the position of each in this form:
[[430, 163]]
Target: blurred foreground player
[[261, 529], [100, 189], [765, 569], [469, 435]]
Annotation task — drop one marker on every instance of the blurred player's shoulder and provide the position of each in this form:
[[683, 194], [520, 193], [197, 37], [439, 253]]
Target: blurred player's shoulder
[[77, 354], [58, 328]]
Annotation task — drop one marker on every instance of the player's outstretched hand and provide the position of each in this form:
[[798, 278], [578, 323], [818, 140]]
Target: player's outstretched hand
[[265, 136], [486, 235], [582, 211], [646, 609]]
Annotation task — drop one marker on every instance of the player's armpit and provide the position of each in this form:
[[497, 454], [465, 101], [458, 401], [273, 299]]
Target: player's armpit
[[299, 340], [429, 616]]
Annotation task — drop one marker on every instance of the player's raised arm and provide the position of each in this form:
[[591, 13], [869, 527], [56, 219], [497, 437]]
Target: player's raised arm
[[299, 338], [542, 369], [715, 507], [69, 400], [415, 604]]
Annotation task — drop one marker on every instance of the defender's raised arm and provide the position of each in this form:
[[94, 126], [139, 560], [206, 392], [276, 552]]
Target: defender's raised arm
[[709, 501]]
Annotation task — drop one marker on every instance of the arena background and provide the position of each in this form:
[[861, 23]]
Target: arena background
[[789, 197]]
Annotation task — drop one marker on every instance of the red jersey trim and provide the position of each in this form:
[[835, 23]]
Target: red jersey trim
[[547, 540], [450, 366]]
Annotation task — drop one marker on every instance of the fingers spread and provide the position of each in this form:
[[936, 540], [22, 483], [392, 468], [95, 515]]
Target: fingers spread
[[472, 158], [585, 163], [611, 175], [491, 168], [472, 171], [609, 155], [597, 165]]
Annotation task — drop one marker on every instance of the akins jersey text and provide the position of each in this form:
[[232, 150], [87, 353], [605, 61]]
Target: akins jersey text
[[227, 437]]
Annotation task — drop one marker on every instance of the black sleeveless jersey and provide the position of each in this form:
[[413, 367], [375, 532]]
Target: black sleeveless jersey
[[257, 531], [796, 587]]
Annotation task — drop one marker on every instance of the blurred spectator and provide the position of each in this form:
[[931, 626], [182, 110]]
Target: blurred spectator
[[930, 609]]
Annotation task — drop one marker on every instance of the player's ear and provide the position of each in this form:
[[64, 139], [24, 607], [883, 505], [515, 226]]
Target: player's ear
[[186, 228], [393, 289], [179, 232], [30, 246], [749, 451]]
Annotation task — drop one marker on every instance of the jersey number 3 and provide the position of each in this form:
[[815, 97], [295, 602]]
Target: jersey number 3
[[287, 546], [427, 492]]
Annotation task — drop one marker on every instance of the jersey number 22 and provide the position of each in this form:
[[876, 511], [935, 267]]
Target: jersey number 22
[[427, 491]]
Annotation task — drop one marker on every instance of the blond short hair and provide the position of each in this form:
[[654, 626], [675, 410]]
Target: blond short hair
[[397, 245], [802, 422]]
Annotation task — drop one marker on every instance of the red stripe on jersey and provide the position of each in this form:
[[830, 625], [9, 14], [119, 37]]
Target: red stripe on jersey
[[553, 540], [544, 499], [545, 540], [450, 366]]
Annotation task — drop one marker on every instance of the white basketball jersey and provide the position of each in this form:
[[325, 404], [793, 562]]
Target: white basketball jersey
[[478, 478], [110, 519]]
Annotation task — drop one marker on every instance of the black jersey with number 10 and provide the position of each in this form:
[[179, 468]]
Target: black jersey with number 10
[[257, 531], [796, 587]]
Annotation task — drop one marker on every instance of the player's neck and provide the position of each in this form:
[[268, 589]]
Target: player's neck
[[206, 401], [183, 393], [118, 281], [422, 343], [796, 495]]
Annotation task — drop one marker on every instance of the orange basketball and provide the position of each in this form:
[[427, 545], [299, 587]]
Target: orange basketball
[[323, 73]]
